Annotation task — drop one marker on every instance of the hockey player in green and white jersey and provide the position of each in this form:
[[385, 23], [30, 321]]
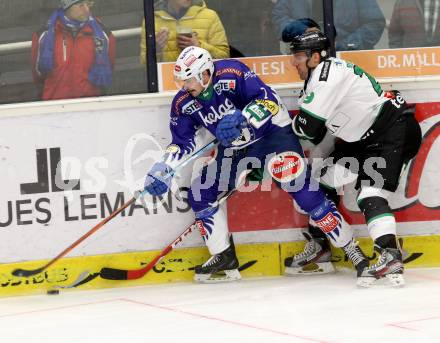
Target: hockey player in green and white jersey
[[377, 133]]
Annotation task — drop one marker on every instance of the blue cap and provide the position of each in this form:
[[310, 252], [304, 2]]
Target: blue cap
[[297, 27]]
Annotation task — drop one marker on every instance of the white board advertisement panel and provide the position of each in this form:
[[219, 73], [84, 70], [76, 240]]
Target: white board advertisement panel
[[102, 157]]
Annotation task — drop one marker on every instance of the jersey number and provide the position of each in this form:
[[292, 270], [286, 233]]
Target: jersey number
[[376, 86]]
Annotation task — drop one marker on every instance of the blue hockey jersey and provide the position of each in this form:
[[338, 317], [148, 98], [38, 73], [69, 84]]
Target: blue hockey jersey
[[234, 86]]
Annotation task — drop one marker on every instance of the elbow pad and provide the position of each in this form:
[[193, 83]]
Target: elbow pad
[[307, 127]]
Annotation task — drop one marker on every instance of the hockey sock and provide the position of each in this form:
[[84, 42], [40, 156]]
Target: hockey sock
[[213, 226], [316, 232], [379, 217], [331, 222], [386, 241]]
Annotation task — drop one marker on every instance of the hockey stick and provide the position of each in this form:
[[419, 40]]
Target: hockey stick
[[122, 274], [30, 272]]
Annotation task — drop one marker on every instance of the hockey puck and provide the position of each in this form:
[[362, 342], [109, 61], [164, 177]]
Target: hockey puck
[[53, 292]]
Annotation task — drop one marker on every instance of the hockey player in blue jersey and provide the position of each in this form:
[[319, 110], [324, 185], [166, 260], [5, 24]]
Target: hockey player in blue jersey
[[254, 129]]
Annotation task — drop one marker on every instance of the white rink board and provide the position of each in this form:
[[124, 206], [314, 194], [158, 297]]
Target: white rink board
[[100, 149], [100, 143]]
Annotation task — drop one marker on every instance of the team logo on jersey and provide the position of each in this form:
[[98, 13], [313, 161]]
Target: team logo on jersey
[[216, 114], [224, 86], [286, 166], [270, 105], [309, 98], [172, 149], [191, 107]]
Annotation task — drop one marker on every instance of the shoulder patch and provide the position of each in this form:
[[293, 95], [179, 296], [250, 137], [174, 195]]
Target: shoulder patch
[[272, 106], [179, 101], [234, 71], [325, 71]]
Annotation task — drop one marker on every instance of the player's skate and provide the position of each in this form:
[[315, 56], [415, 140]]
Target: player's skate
[[356, 256], [314, 259], [221, 267], [389, 265]]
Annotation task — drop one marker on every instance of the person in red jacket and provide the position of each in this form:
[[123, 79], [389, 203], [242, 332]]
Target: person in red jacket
[[74, 54]]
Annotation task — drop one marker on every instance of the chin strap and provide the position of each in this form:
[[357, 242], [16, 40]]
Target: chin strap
[[309, 56], [205, 86]]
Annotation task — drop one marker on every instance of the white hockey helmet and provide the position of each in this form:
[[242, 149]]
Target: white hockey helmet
[[190, 65]]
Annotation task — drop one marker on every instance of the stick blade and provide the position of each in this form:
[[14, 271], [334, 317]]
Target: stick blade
[[114, 274], [26, 273]]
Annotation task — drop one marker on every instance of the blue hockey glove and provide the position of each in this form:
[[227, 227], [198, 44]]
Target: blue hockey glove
[[158, 179], [229, 127]]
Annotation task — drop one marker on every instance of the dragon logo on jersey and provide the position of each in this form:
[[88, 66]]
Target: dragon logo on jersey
[[309, 98], [286, 166], [216, 114], [224, 86], [191, 107]]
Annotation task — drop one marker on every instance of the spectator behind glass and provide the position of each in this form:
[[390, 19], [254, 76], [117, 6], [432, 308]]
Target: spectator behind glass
[[252, 35], [415, 23], [74, 54], [183, 23], [359, 23]]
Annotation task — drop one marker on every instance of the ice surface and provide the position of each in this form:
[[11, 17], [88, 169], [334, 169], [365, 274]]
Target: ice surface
[[325, 308]]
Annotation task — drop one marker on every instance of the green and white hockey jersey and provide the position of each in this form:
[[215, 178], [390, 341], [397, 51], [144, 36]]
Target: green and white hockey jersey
[[341, 96]]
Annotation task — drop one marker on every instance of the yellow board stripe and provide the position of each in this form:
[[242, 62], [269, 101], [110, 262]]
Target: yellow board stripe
[[258, 260]]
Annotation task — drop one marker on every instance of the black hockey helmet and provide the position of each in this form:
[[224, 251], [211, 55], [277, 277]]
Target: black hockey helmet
[[310, 42]]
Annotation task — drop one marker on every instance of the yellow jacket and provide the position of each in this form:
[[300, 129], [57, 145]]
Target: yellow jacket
[[203, 21]]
